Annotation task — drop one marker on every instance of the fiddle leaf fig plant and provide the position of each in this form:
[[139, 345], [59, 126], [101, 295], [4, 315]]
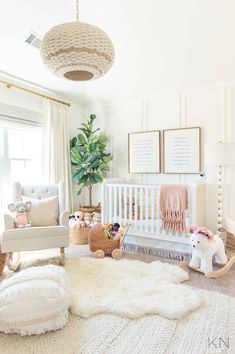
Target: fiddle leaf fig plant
[[89, 157]]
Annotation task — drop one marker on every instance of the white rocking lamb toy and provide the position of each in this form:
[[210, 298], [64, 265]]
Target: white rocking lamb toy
[[207, 247]]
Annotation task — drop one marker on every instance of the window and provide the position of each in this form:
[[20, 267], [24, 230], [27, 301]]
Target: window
[[20, 155]]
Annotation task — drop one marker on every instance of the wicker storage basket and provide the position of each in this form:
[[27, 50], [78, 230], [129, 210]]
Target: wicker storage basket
[[2, 260], [79, 236], [98, 241], [230, 245]]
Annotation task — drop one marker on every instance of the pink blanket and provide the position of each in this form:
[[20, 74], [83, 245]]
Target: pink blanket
[[173, 202]]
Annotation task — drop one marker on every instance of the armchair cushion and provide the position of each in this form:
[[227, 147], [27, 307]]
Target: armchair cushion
[[64, 218], [9, 222], [35, 238], [44, 212]]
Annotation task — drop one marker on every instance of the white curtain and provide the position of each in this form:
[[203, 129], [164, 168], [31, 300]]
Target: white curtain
[[56, 157]]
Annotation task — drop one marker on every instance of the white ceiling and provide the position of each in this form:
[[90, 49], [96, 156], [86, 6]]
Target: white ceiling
[[160, 45]]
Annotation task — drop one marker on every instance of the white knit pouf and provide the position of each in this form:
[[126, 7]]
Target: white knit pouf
[[34, 301]]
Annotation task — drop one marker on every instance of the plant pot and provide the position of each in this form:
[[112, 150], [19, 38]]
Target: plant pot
[[90, 209], [79, 236]]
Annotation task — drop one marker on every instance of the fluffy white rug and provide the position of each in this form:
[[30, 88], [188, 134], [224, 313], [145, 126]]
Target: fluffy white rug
[[129, 288]]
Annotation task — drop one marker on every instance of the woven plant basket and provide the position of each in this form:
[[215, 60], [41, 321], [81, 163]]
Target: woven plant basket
[[230, 245], [2, 261], [98, 241], [90, 209], [79, 236]]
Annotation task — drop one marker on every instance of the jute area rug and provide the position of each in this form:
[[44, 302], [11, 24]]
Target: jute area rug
[[197, 333]]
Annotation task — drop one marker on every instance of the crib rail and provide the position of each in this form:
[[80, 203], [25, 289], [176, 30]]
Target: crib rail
[[137, 205]]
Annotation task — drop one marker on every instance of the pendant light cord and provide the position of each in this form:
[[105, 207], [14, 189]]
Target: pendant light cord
[[77, 10]]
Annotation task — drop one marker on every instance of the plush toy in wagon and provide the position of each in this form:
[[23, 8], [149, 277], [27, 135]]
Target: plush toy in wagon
[[107, 240]]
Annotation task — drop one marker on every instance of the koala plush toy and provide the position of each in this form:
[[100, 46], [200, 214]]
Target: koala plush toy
[[20, 210]]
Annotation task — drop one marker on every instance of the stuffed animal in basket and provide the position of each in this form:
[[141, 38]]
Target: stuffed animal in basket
[[20, 210], [87, 219], [96, 219], [78, 220], [205, 246], [114, 231], [71, 220]]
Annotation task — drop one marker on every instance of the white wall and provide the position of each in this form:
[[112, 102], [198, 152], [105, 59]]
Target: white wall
[[19, 104], [211, 108]]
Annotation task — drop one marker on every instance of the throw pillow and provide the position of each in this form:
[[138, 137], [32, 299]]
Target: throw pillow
[[44, 212]]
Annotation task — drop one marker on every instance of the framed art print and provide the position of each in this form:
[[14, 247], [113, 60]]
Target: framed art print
[[144, 152], [182, 150]]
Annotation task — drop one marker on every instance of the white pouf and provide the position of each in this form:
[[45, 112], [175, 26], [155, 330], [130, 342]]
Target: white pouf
[[34, 301]]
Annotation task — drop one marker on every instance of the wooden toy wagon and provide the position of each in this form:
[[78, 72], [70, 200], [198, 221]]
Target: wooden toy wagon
[[101, 245]]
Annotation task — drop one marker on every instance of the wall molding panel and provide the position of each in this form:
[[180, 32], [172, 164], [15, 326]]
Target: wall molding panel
[[211, 108]]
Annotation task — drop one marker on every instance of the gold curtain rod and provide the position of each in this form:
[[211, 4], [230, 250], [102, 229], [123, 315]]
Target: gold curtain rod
[[10, 85]]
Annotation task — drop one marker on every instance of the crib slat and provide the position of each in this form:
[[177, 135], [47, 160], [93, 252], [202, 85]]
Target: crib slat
[[114, 203], [103, 208], [146, 208], [125, 204], [136, 208], [120, 204], [157, 221], [110, 205], [152, 209], [130, 205], [141, 209]]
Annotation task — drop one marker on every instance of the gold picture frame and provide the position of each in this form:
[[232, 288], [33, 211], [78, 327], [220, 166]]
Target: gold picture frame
[[144, 152], [182, 150]]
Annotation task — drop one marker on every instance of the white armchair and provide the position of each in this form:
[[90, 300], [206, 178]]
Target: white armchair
[[37, 238]]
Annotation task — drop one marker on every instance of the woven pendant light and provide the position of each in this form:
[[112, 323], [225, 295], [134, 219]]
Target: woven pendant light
[[77, 51]]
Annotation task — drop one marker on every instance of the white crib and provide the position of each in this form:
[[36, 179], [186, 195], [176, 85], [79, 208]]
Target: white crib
[[137, 205]]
